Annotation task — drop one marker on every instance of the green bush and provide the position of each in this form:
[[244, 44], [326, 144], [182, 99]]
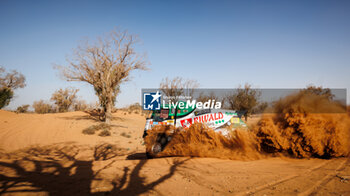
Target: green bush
[[6, 94], [9, 81]]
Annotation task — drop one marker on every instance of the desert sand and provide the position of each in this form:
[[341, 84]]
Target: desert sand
[[47, 154]]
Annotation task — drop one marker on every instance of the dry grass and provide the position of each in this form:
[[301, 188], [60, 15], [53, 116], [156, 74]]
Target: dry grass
[[104, 133], [125, 135], [94, 128]]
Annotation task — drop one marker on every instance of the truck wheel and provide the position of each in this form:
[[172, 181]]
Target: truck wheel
[[159, 145], [157, 148]]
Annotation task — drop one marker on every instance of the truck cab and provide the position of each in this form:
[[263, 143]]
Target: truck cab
[[184, 117]]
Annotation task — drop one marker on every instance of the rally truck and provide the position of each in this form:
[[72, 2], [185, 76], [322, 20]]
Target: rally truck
[[217, 119]]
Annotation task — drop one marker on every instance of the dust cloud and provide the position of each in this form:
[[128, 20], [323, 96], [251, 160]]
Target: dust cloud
[[200, 141], [303, 125]]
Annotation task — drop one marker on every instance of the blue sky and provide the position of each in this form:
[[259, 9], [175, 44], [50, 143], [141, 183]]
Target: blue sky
[[221, 44]]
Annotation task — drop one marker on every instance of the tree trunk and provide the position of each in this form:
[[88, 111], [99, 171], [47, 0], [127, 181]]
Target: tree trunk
[[246, 117], [108, 113]]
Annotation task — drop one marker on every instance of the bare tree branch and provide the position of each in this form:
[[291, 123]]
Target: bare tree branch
[[105, 65], [178, 86]]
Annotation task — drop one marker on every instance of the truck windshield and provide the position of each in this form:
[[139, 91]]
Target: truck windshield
[[160, 115], [164, 114]]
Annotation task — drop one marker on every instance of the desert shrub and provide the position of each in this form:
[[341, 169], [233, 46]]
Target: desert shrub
[[105, 132], [319, 90], [89, 131], [64, 98], [94, 128], [9, 81], [125, 135], [80, 105], [41, 107], [134, 108], [244, 99], [6, 95], [22, 109]]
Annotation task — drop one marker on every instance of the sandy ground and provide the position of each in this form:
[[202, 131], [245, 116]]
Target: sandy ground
[[47, 154]]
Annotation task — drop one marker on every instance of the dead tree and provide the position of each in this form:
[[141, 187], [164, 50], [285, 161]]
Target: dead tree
[[105, 65]]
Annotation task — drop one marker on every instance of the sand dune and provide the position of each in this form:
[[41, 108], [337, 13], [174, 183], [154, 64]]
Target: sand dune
[[24, 130], [47, 154]]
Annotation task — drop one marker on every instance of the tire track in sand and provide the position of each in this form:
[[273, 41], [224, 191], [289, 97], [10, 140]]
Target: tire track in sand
[[287, 179], [324, 180]]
